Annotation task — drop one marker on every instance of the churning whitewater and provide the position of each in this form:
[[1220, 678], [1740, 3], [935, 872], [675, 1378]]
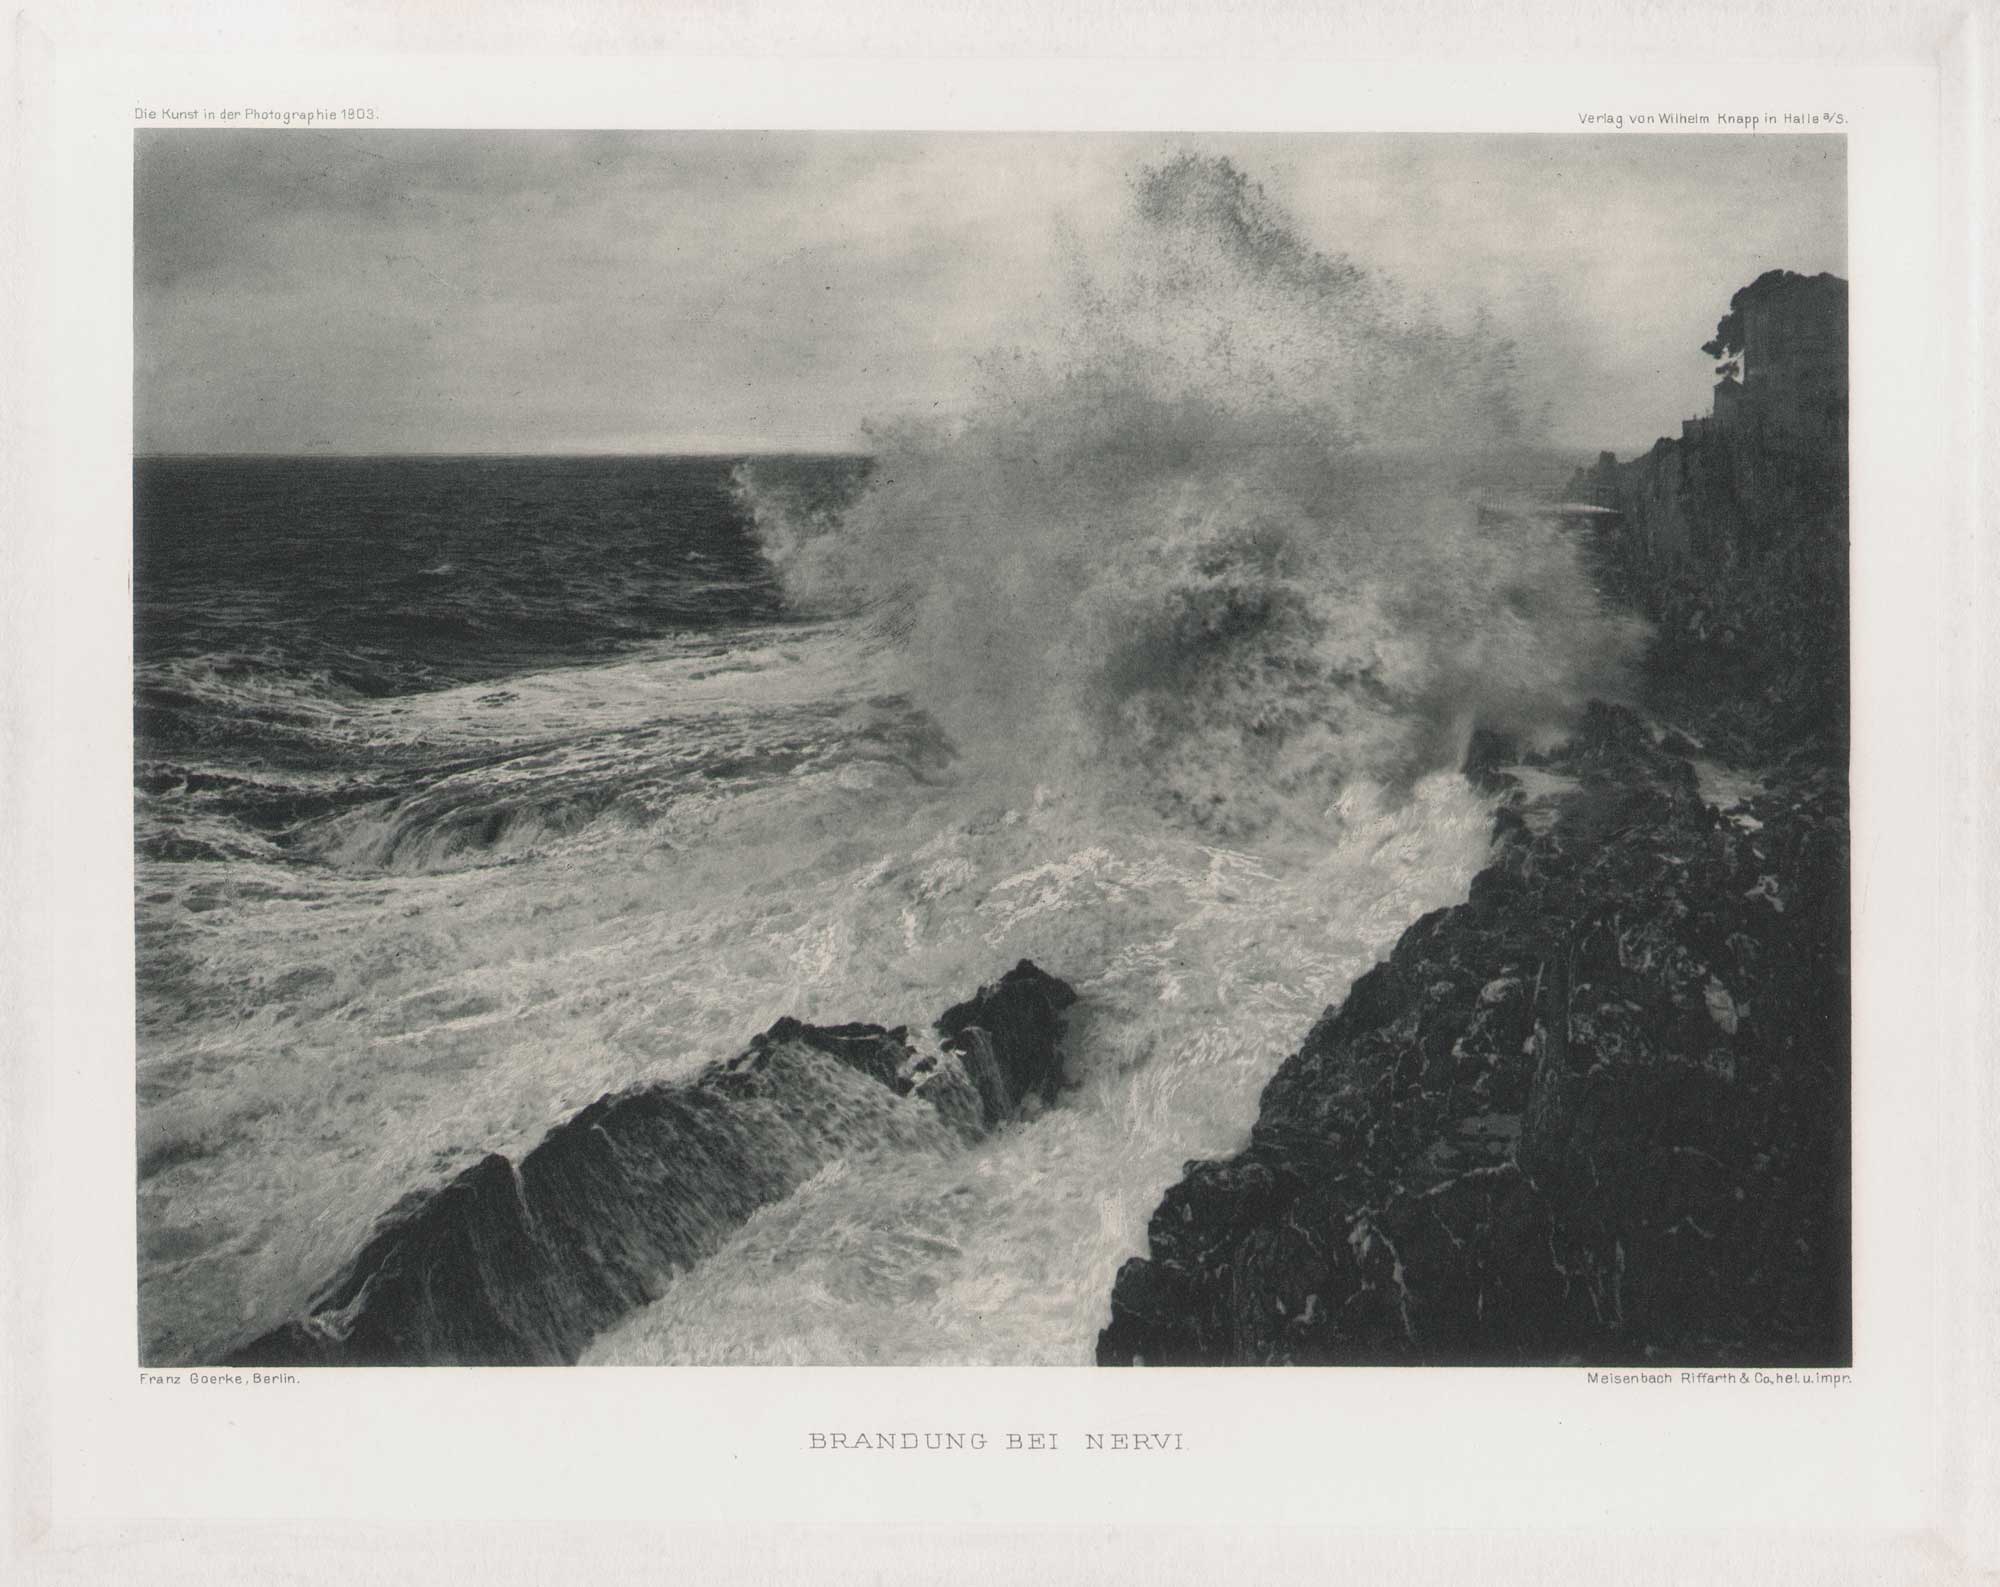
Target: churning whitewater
[[471, 790]]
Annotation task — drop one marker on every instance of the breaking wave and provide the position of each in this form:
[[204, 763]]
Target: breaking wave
[[1223, 548]]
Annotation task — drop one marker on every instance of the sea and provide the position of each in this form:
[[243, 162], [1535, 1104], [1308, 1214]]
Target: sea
[[468, 790]]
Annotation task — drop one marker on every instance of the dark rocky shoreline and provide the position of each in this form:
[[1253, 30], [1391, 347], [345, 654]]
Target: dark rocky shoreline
[[1595, 1114]]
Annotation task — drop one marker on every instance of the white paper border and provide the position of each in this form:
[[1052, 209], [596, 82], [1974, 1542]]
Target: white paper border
[[1866, 1471]]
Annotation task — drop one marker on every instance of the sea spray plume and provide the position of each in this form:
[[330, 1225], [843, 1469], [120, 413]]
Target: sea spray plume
[[1214, 549], [792, 500]]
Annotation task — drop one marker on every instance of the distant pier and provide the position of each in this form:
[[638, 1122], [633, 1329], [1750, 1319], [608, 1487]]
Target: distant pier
[[1574, 514]]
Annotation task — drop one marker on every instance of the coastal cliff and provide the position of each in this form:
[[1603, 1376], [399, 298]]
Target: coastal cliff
[[1733, 541], [1599, 1112]]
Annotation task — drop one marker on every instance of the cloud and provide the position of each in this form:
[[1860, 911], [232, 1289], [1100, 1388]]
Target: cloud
[[501, 291]]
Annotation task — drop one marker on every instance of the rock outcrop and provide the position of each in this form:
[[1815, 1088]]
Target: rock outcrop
[[1595, 1114], [515, 1264]]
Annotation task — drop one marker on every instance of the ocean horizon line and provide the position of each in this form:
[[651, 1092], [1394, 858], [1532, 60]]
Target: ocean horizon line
[[461, 457], [1533, 449]]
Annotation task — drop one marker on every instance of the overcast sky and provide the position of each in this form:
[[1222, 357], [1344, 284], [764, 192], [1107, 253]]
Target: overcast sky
[[305, 291]]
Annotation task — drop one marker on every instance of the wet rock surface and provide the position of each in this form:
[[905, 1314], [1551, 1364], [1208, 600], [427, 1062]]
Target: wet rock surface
[[1598, 1113], [514, 1264]]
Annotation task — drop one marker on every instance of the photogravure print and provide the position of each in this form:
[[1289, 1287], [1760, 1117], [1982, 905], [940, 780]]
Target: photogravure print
[[1020, 749]]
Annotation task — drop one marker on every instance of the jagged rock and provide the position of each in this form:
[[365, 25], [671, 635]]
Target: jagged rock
[[1528, 1136], [522, 1264], [1007, 1036]]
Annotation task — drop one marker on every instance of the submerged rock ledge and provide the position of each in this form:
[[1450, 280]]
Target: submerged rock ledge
[[522, 1264], [1598, 1113]]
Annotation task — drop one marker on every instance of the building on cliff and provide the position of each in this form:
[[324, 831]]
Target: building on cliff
[[1728, 411], [1782, 389]]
